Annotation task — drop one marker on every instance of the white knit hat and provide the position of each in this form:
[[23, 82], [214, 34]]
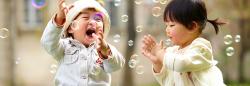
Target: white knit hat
[[79, 6]]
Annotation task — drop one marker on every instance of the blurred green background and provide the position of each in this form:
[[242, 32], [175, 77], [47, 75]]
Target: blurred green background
[[23, 62]]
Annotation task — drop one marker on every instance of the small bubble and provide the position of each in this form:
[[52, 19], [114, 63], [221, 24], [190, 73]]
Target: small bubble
[[237, 38], [156, 1], [124, 18], [38, 3], [230, 51], [168, 42], [228, 39], [163, 1], [139, 28], [132, 63], [130, 43], [52, 71], [139, 69], [134, 56], [116, 38], [53, 68], [138, 2], [117, 2], [4, 33], [17, 61], [156, 11]]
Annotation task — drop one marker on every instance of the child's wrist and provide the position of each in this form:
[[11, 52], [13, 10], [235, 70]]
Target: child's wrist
[[105, 52], [157, 67], [59, 21]]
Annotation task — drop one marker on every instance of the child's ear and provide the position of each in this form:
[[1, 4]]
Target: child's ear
[[195, 27]]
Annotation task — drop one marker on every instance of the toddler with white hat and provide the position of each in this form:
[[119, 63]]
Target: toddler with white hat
[[75, 37]]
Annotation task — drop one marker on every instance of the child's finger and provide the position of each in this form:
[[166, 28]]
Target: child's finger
[[151, 39], [161, 44], [145, 40], [97, 40], [94, 35], [151, 43], [67, 8], [100, 34]]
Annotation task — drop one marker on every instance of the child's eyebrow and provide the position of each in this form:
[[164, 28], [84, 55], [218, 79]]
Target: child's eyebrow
[[83, 13]]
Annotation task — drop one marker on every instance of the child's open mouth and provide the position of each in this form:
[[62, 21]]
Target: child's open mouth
[[89, 32]]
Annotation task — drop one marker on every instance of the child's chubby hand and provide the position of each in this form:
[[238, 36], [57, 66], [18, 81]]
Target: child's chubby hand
[[61, 12], [102, 46], [153, 51]]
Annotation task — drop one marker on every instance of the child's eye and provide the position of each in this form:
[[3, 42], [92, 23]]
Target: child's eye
[[98, 18], [171, 25], [85, 17]]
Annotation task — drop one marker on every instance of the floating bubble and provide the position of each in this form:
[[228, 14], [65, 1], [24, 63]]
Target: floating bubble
[[132, 63], [168, 42], [230, 51], [96, 70], [156, 11], [4, 33], [116, 38], [228, 39], [237, 38], [52, 71], [130, 43], [53, 68], [38, 3], [139, 69], [17, 61], [163, 1], [124, 18], [139, 28], [138, 2], [134, 56], [156, 1], [117, 2]]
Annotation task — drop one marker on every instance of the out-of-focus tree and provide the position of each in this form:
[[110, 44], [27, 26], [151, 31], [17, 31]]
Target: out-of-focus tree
[[128, 78], [243, 10], [10, 23], [240, 12]]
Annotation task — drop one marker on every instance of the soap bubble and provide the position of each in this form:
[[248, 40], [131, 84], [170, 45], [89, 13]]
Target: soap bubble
[[130, 43], [4, 33], [138, 2], [228, 39], [139, 69], [237, 38], [139, 28], [117, 2], [38, 3], [116, 38], [230, 51], [124, 18], [156, 11]]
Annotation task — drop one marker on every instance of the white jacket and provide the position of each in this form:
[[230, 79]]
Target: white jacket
[[76, 61], [193, 65]]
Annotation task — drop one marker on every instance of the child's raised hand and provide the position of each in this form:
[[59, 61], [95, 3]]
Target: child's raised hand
[[61, 12], [102, 46], [153, 51]]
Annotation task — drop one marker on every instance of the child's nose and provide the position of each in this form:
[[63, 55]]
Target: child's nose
[[92, 23]]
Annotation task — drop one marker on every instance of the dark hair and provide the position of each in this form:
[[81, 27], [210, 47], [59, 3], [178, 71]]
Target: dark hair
[[188, 11]]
